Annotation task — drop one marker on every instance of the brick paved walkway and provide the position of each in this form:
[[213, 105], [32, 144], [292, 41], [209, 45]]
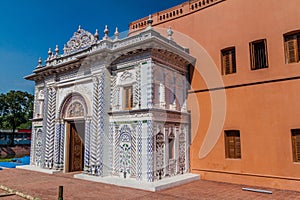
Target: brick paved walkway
[[45, 186]]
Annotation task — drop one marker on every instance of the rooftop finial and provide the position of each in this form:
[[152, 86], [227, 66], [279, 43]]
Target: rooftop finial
[[116, 34], [105, 33], [79, 28], [39, 63], [49, 54], [149, 22], [65, 48], [170, 33], [96, 35], [56, 50]]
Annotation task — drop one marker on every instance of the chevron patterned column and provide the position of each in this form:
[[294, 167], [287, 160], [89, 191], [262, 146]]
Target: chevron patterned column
[[87, 145], [133, 166], [43, 137], [57, 145], [139, 150], [94, 126], [32, 146], [149, 150], [50, 129], [61, 145], [101, 107], [111, 150], [116, 150]]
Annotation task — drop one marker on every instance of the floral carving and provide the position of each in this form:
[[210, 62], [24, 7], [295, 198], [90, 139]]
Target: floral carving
[[76, 109], [80, 40]]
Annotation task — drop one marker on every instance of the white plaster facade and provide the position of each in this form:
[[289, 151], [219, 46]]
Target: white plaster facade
[[126, 99]]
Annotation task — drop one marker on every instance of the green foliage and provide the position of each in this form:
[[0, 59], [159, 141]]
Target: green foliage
[[16, 109], [26, 125]]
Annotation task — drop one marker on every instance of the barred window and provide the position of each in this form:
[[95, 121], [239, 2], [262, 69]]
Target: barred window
[[128, 98], [232, 144], [292, 47], [228, 60], [296, 144], [258, 54]]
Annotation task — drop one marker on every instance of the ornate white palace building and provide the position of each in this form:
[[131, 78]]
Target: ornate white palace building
[[113, 107]]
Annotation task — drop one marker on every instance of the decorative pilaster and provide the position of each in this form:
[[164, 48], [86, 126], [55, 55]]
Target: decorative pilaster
[[150, 86], [94, 126], [38, 160], [87, 145], [96, 167], [101, 99], [176, 151], [114, 93], [182, 152], [56, 145], [137, 88], [187, 147], [116, 142], [50, 128], [166, 137], [133, 152], [44, 130], [185, 89], [139, 150], [35, 103], [162, 96], [150, 150], [61, 145], [32, 146], [111, 150]]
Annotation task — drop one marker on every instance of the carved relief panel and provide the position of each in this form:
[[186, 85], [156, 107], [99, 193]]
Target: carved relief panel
[[160, 155]]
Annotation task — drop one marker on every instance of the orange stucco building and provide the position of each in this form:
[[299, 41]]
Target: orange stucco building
[[244, 97]]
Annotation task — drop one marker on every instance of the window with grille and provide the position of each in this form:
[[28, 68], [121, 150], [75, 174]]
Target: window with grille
[[292, 47], [128, 98], [258, 54], [228, 61], [296, 144], [232, 144]]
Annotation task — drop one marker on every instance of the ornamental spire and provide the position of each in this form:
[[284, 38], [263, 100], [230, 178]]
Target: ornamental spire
[[39, 63], [149, 22], [96, 35], [56, 50], [106, 31], [170, 33], [116, 34], [49, 54]]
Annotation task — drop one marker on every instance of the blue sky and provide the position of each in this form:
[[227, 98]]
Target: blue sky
[[29, 28]]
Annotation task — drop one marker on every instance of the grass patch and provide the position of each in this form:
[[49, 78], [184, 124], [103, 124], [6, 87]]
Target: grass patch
[[5, 159]]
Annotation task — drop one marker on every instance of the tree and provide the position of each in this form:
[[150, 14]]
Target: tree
[[16, 109]]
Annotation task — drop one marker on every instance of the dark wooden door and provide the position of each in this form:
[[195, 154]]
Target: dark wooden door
[[76, 150]]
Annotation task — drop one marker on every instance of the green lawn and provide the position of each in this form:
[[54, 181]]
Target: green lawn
[[5, 159]]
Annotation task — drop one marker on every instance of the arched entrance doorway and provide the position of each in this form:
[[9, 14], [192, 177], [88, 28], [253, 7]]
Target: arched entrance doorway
[[75, 147], [73, 113]]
